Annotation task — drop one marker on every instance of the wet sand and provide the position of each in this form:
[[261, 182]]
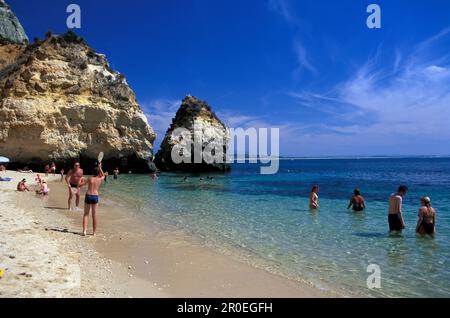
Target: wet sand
[[131, 256]]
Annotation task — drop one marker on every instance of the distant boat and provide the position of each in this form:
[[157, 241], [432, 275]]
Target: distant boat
[[4, 160]]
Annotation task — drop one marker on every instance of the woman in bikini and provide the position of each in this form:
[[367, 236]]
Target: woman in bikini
[[357, 202], [314, 198], [427, 218]]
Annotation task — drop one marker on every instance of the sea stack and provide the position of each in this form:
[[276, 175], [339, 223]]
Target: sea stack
[[61, 101], [201, 125], [11, 31]]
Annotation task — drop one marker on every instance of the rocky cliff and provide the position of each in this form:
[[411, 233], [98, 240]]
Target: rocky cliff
[[60, 100], [209, 131], [11, 30]]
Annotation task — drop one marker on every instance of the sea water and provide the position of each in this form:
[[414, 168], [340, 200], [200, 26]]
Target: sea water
[[265, 220]]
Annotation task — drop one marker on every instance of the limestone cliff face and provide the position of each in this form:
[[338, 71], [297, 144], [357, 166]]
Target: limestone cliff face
[[11, 30], [59, 100], [213, 133]]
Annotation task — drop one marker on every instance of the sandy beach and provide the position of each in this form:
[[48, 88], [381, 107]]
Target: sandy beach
[[44, 255]]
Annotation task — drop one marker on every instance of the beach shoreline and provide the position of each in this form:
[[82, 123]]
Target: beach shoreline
[[128, 258]]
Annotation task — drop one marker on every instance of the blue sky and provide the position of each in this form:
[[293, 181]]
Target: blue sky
[[311, 68]]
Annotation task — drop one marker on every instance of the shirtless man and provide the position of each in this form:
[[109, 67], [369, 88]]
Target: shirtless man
[[73, 180], [92, 198], [395, 218]]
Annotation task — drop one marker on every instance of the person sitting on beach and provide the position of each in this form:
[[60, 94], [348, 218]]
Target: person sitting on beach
[[395, 218], [314, 198], [427, 218], [116, 173], [44, 189], [73, 179], [2, 168], [22, 187], [357, 202], [92, 198]]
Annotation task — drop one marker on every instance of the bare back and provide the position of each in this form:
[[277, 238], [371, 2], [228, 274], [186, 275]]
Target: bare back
[[395, 204], [94, 184]]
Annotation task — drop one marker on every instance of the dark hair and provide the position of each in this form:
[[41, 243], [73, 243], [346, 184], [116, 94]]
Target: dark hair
[[315, 187], [96, 171], [402, 188], [357, 192]]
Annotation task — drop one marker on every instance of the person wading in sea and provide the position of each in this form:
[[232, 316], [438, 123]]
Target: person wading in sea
[[357, 202], [395, 218], [427, 218]]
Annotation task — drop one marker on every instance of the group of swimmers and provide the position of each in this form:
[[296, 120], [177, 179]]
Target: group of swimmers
[[426, 223]]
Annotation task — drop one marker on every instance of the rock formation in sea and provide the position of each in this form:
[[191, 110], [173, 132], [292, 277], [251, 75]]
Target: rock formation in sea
[[214, 138], [61, 101], [11, 31]]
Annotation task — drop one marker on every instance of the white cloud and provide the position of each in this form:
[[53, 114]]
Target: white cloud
[[403, 108]]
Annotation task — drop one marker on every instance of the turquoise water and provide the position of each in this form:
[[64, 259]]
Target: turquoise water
[[266, 220]]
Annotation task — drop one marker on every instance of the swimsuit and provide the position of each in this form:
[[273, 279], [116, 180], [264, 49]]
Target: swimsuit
[[91, 199], [73, 185], [428, 227], [395, 222]]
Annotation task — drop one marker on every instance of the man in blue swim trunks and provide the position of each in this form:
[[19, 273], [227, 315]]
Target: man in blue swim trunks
[[92, 198]]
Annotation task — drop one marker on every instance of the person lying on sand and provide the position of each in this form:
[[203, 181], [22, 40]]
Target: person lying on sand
[[314, 198], [357, 202], [25, 170], [395, 218], [91, 200], [427, 218], [22, 187], [73, 179]]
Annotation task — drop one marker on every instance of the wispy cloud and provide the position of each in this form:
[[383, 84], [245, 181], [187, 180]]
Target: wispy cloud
[[405, 101], [285, 9], [303, 59]]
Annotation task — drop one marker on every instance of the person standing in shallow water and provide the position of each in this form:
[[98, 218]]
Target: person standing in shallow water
[[314, 198], [395, 218], [357, 202], [427, 218], [91, 200]]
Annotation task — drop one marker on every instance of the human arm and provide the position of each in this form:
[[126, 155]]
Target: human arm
[[419, 222]]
